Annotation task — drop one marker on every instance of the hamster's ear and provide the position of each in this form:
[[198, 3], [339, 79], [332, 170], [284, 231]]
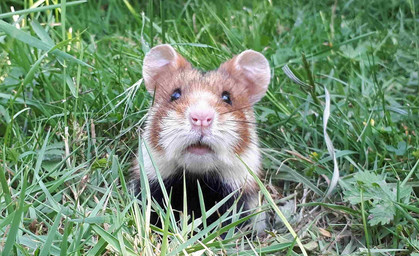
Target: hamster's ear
[[252, 69], [160, 63]]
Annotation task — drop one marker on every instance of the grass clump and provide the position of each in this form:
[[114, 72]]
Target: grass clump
[[71, 98]]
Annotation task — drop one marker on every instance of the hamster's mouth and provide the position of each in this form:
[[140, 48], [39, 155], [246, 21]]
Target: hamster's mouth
[[199, 149]]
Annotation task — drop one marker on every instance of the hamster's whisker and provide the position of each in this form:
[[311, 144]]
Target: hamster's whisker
[[242, 121], [257, 125], [237, 109]]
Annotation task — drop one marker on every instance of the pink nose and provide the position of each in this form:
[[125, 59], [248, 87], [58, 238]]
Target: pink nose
[[201, 118]]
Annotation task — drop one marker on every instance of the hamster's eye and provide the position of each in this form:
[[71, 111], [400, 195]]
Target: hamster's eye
[[225, 96], [175, 95]]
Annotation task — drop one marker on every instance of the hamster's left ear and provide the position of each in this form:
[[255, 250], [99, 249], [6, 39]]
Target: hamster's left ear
[[252, 69], [160, 63]]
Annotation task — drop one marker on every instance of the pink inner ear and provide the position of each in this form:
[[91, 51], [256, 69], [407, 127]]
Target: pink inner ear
[[160, 63], [250, 69]]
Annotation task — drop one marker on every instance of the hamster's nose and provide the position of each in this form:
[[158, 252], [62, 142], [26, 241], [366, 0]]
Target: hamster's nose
[[201, 118]]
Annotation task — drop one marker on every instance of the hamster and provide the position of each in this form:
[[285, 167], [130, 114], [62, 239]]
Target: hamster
[[198, 125]]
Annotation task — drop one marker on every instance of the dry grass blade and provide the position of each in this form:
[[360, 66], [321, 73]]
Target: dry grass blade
[[292, 76], [329, 145]]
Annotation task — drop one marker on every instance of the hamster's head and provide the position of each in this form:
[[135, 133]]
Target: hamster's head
[[201, 120]]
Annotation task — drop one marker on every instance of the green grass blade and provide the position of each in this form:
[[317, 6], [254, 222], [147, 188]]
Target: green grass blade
[[408, 217], [364, 222], [335, 207], [110, 239], [14, 227], [196, 237], [39, 9], [271, 202], [29, 76], [34, 42], [68, 228], [164, 244], [299, 177], [41, 33], [270, 249], [4, 184], [51, 235], [202, 205], [410, 174]]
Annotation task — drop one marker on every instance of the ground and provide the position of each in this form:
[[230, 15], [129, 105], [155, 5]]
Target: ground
[[71, 99]]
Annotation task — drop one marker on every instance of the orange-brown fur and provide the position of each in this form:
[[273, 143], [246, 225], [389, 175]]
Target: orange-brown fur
[[188, 80]]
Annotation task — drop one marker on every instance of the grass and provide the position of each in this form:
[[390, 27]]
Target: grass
[[71, 100]]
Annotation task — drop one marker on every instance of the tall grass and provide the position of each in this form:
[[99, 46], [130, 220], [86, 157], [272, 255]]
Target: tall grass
[[71, 99]]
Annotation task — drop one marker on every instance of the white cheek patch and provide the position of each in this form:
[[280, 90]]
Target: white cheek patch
[[235, 171], [175, 135], [162, 165], [226, 130], [150, 155]]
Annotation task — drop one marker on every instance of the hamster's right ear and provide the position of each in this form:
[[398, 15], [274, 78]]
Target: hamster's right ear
[[159, 63], [252, 69]]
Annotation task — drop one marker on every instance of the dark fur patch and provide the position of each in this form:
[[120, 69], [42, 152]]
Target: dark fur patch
[[213, 190]]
